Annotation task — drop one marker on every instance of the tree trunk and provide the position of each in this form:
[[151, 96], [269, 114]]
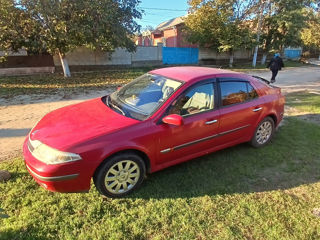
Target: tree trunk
[[254, 60], [64, 64], [264, 58], [255, 55], [231, 59]]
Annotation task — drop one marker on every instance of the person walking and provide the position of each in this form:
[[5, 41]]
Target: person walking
[[275, 65]]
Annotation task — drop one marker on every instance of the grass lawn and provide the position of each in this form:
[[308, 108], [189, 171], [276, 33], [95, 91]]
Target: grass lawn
[[305, 106], [304, 102], [236, 193], [79, 82]]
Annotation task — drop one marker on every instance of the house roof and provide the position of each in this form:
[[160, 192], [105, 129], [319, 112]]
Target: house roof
[[170, 23]]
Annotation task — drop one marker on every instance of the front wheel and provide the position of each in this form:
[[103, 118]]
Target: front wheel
[[120, 175], [263, 133]]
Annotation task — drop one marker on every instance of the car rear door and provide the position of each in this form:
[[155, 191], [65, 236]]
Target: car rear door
[[240, 110]]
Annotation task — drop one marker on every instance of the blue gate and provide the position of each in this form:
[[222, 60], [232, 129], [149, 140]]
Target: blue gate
[[172, 55], [292, 53]]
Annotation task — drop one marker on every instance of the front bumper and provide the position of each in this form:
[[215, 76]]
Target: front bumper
[[52, 179], [68, 177]]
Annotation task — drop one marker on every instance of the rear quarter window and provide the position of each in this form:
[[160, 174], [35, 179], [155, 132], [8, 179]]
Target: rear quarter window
[[252, 93], [234, 92]]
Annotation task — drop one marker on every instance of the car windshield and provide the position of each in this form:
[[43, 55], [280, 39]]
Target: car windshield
[[143, 96]]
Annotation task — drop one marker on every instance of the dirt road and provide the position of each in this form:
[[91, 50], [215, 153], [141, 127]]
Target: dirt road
[[18, 115]]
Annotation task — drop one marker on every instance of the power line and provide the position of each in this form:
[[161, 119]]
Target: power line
[[154, 14], [147, 21], [166, 9], [157, 14]]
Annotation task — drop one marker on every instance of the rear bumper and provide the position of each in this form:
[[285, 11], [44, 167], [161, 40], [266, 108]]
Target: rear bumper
[[67, 177]]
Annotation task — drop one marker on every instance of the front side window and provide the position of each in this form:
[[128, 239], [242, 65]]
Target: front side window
[[195, 100], [141, 97], [234, 92]]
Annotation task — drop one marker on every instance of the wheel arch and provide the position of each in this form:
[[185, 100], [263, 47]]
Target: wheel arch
[[274, 118]]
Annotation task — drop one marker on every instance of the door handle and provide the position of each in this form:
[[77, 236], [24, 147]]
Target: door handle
[[210, 122], [257, 109]]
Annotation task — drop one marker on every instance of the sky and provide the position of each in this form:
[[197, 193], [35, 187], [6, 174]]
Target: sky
[[158, 11]]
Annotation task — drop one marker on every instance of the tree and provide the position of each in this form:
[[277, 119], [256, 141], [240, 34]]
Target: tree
[[221, 25], [148, 28], [311, 34], [281, 24], [59, 26], [17, 30]]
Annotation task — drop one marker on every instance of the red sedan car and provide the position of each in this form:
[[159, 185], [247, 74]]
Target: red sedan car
[[160, 119]]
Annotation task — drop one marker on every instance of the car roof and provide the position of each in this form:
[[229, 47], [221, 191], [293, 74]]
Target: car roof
[[187, 74]]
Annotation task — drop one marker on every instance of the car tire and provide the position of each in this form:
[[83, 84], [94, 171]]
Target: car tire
[[120, 175], [263, 133]]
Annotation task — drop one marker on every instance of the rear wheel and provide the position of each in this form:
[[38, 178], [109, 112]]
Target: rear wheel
[[120, 175], [263, 133]]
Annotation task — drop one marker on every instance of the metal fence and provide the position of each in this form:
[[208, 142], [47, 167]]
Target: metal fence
[[172, 55]]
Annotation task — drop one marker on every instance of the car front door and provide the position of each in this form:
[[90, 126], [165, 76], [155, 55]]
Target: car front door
[[197, 106], [240, 109]]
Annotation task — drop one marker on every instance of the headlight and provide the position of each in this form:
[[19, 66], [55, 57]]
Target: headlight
[[49, 155]]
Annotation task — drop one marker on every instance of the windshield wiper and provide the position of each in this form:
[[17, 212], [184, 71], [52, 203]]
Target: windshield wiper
[[111, 105], [119, 109], [107, 101]]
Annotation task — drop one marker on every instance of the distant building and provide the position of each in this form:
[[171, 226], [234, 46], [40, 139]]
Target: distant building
[[169, 33], [144, 39]]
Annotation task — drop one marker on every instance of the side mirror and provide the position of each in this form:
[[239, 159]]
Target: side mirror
[[173, 119]]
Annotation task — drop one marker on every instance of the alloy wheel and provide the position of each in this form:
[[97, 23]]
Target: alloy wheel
[[122, 176], [264, 132]]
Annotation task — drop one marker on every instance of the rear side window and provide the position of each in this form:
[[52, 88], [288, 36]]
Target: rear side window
[[234, 92]]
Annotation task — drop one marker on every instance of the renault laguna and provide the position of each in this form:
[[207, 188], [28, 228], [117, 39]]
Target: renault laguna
[[162, 118]]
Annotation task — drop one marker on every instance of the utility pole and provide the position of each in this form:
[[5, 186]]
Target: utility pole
[[254, 61]]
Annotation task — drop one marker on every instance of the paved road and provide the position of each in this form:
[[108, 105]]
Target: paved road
[[296, 79], [18, 115]]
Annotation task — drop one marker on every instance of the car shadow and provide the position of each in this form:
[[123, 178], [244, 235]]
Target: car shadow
[[284, 163], [15, 132]]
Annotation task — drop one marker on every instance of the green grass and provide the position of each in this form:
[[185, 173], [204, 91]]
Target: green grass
[[236, 193], [304, 102]]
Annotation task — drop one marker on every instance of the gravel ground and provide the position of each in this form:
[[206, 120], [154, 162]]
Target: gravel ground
[[19, 114]]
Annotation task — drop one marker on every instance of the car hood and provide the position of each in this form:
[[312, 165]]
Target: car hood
[[74, 124]]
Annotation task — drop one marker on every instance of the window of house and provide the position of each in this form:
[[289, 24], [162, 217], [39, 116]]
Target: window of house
[[195, 100], [236, 92], [164, 41]]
